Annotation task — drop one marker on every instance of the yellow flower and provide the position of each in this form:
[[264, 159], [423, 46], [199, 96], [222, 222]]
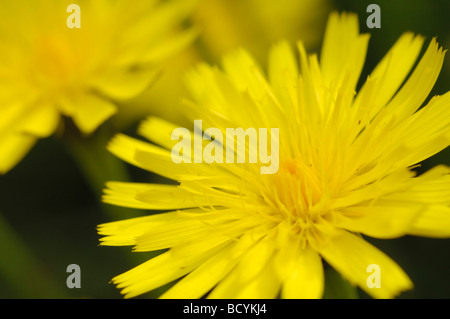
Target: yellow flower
[[48, 70], [345, 170]]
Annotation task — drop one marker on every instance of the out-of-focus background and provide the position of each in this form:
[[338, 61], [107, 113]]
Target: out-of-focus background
[[51, 209]]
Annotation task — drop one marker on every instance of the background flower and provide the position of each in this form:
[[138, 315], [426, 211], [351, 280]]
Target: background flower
[[226, 25], [49, 71]]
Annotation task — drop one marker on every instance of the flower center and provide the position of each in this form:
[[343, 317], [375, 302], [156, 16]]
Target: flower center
[[55, 63], [56, 56], [298, 193], [297, 189]]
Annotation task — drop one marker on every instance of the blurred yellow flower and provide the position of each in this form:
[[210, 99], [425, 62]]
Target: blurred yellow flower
[[345, 170], [256, 24], [48, 70], [226, 25]]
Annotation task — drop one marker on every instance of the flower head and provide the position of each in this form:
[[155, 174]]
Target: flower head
[[345, 170], [49, 69]]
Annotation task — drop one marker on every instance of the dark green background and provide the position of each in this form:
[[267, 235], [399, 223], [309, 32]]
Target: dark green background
[[51, 207]]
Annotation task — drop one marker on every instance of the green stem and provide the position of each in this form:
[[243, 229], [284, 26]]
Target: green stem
[[21, 269], [100, 166]]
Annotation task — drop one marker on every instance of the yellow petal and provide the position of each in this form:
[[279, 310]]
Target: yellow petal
[[162, 269], [193, 225], [283, 71], [425, 133], [41, 121], [124, 194], [152, 35], [205, 277], [125, 148], [173, 234], [167, 48], [381, 219], [162, 164], [158, 131], [14, 108], [171, 229], [254, 267], [434, 222], [419, 84], [165, 197], [306, 278], [173, 264], [123, 84], [13, 147], [392, 183], [282, 65], [432, 187], [91, 111], [343, 50], [300, 269], [212, 87], [351, 255], [265, 286], [245, 73], [154, 158], [391, 71], [125, 232]]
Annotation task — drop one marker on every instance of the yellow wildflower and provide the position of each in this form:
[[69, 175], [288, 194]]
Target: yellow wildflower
[[50, 69], [345, 170]]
